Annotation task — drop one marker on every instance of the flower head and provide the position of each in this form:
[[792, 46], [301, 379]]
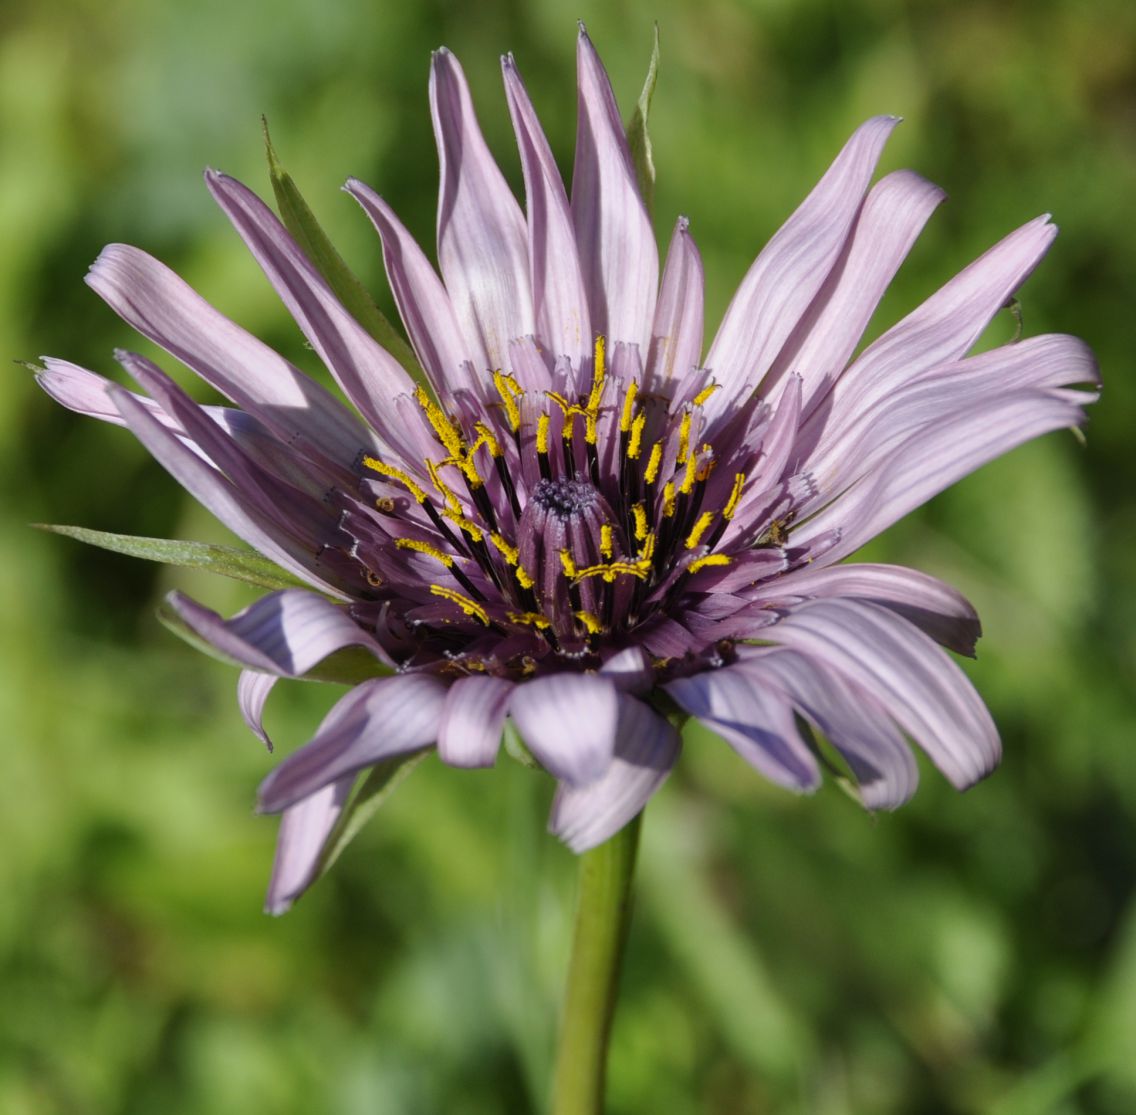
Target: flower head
[[581, 521]]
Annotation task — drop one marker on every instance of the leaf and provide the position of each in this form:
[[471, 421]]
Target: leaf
[[227, 561], [383, 779], [301, 222], [637, 137]]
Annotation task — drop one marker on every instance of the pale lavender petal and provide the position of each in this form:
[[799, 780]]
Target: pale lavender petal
[[933, 459], [932, 605], [676, 337], [304, 828], [376, 720], [568, 722], [618, 254], [856, 725], [559, 298], [472, 721], [630, 670], [646, 747], [895, 212], [84, 392], [287, 632], [427, 312], [755, 720], [904, 671], [786, 276], [481, 233], [369, 375], [150, 297], [215, 492], [942, 329], [253, 687]]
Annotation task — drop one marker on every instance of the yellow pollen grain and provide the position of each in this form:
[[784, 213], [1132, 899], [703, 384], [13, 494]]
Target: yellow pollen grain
[[529, 619], [510, 391], [606, 542], [735, 497], [542, 433], [640, 514], [598, 378], [567, 564], [709, 559], [635, 443], [647, 550], [591, 622], [704, 394], [668, 500], [453, 504], [471, 528], [426, 548], [689, 476], [470, 607], [628, 406], [485, 436], [613, 569], [523, 579], [445, 429], [705, 520], [392, 473], [684, 438], [651, 472], [507, 551]]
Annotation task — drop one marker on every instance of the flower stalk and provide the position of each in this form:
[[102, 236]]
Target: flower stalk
[[603, 914]]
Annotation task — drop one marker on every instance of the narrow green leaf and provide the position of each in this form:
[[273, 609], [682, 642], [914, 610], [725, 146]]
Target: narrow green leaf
[[227, 561], [637, 136], [301, 222], [383, 779]]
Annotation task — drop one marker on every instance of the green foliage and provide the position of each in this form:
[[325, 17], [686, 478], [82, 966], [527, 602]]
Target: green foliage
[[971, 954]]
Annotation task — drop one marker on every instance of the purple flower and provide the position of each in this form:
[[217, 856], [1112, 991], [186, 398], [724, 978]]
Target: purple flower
[[584, 524]]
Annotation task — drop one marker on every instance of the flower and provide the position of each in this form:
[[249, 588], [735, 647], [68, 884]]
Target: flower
[[582, 524]]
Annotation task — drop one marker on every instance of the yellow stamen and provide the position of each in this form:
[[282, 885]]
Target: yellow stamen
[[470, 607], [507, 551], [647, 550], [598, 378], [735, 497], [640, 513], [611, 570], [704, 394], [567, 564], [684, 438], [453, 504], [591, 622], [542, 434], [705, 520], [447, 432], [628, 406], [635, 443], [651, 472], [668, 500], [510, 391], [485, 437], [689, 476], [606, 546], [523, 579], [471, 528], [392, 473], [425, 548], [529, 619], [709, 559]]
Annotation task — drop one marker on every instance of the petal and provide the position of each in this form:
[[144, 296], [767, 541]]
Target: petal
[[618, 255], [790, 270], [646, 747], [481, 233], [150, 297], [895, 212], [676, 336], [932, 605], [559, 299], [905, 672], [215, 492], [253, 688], [369, 376], [375, 720], [755, 720], [942, 329], [285, 633], [427, 312], [472, 721], [303, 830], [855, 724], [568, 722]]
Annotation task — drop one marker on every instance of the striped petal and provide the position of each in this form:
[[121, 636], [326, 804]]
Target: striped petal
[[473, 718]]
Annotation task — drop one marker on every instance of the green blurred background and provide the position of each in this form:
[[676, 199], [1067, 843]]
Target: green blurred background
[[973, 953]]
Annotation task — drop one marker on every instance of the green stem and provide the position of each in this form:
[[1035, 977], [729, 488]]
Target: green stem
[[603, 912]]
